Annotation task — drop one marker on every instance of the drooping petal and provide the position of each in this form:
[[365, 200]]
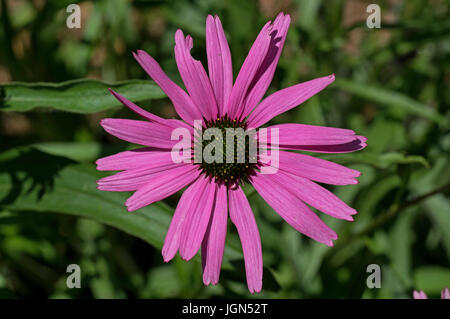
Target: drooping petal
[[314, 168], [356, 145], [188, 201], [312, 138], [286, 99], [182, 103], [242, 217], [141, 132], [194, 77], [214, 241], [419, 295], [314, 195], [265, 73], [132, 179], [197, 221], [142, 157], [293, 134], [219, 61], [292, 209], [147, 115], [162, 186], [252, 62]]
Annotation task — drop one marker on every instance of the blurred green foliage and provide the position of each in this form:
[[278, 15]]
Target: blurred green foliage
[[392, 86]]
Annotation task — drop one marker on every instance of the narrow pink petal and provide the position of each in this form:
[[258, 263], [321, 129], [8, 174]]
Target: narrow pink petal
[[147, 115], [148, 157], [188, 201], [286, 99], [314, 168], [249, 68], [197, 221], [214, 241], [133, 179], [314, 138], [302, 134], [140, 132], [219, 61], [419, 295], [356, 145], [315, 195], [445, 293], [162, 186], [242, 217], [292, 209], [194, 77], [183, 104], [265, 73]]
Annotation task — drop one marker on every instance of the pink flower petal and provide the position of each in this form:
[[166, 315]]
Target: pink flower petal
[[143, 157], [291, 208], [219, 61], [132, 179], [419, 295], [194, 77], [140, 132], [445, 293], [183, 104], [265, 73], [162, 186], [252, 62], [188, 201], [315, 195], [314, 168], [356, 145], [286, 99], [147, 115], [197, 221], [302, 134], [313, 138], [214, 241], [242, 217]]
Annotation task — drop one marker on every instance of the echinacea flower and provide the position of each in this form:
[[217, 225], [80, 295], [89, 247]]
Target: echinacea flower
[[445, 294], [213, 189]]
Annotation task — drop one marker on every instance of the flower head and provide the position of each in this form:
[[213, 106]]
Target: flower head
[[214, 188]]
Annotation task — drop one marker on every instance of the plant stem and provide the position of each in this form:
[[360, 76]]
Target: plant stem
[[392, 212]]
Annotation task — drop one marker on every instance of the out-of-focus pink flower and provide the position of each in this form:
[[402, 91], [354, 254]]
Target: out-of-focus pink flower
[[419, 295], [445, 294], [214, 190]]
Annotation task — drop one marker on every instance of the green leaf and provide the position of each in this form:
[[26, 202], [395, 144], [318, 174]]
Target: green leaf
[[371, 196], [437, 207], [391, 99], [77, 96], [188, 17], [439, 213], [163, 283], [400, 253], [431, 279], [79, 151], [308, 12], [58, 185]]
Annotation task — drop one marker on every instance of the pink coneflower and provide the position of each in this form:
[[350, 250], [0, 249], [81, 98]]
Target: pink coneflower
[[214, 190], [445, 294]]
